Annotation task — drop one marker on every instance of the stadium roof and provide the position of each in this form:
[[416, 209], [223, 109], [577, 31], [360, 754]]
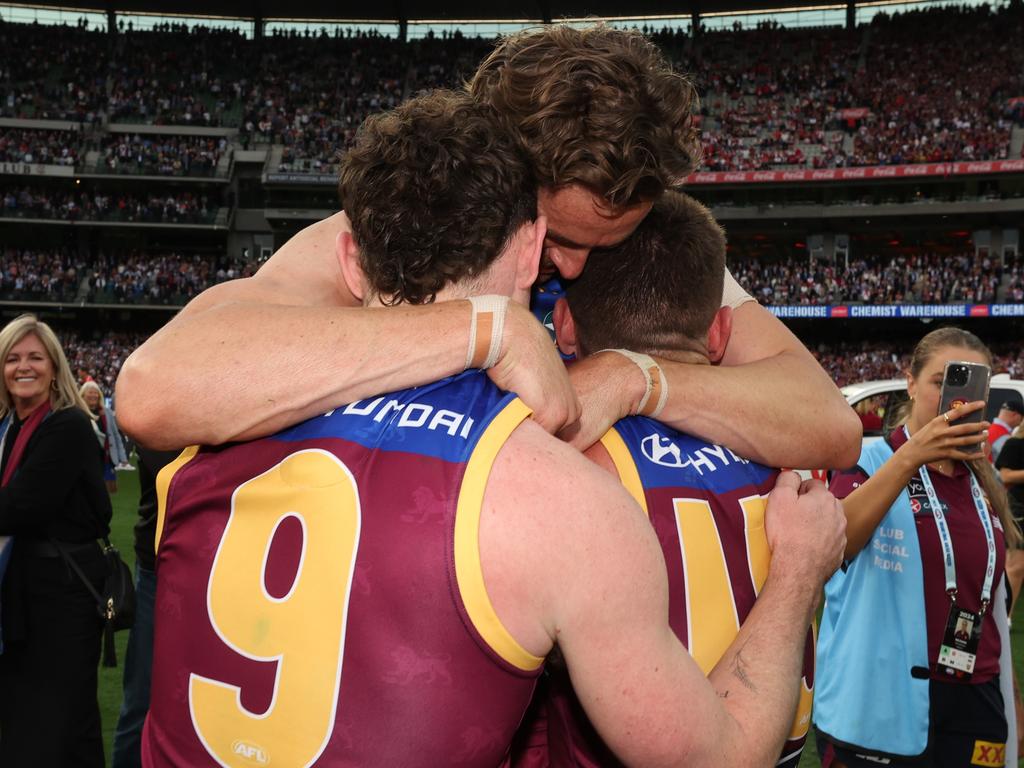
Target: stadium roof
[[392, 11]]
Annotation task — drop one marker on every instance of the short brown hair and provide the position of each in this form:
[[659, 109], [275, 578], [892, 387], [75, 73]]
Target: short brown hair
[[658, 290], [434, 188], [595, 106]]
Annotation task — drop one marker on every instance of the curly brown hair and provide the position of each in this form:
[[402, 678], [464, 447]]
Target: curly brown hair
[[658, 290], [434, 188], [595, 106]]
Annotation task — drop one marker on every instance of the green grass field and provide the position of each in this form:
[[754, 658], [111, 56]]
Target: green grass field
[[125, 502]]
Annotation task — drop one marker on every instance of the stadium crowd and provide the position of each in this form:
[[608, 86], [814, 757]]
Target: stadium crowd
[[162, 155], [772, 97], [29, 202], [834, 97], [44, 147], [112, 278], [924, 278], [853, 362], [99, 358]]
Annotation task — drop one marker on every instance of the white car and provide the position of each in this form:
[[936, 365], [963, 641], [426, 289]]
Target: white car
[[876, 402]]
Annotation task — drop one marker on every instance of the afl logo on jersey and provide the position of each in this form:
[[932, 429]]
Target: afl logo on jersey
[[662, 451], [250, 752]]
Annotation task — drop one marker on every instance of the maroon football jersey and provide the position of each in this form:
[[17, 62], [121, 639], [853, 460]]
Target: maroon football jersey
[[707, 508], [320, 598]]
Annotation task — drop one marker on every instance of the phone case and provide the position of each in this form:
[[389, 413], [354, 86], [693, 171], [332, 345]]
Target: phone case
[[964, 383]]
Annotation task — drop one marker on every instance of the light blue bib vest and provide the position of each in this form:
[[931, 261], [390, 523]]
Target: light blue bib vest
[[873, 633]]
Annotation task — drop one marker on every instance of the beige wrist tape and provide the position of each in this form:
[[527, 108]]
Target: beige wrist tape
[[654, 399], [485, 330]]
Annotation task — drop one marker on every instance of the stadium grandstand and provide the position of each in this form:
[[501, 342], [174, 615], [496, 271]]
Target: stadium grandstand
[[865, 159]]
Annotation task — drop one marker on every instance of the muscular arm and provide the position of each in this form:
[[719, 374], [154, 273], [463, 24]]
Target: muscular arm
[[249, 357], [238, 366], [574, 559], [768, 400]]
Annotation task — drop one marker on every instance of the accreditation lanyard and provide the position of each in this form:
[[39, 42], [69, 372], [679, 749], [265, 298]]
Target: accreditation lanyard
[[948, 562]]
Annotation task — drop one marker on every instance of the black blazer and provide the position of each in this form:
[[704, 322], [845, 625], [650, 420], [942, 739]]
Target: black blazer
[[58, 490]]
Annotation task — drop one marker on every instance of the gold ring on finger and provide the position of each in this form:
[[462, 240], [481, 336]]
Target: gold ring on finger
[[946, 417]]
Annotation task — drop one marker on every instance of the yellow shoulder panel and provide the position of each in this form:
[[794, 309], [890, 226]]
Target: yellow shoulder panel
[[626, 466], [163, 486], [468, 570]]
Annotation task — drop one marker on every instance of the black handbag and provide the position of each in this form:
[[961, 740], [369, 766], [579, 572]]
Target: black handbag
[[115, 602]]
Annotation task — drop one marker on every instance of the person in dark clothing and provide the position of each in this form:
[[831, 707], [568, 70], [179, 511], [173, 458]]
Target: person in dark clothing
[[1011, 471], [138, 661], [53, 504]]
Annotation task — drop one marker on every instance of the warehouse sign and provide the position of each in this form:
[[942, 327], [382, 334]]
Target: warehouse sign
[[919, 311]]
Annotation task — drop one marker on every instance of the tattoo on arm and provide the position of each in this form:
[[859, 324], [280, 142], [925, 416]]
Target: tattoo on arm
[[739, 671]]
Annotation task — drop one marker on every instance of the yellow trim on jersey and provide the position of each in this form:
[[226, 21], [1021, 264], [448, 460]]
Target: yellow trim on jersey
[[468, 569], [626, 466], [163, 487]]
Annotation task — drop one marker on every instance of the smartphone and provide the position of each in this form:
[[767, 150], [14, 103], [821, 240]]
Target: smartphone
[[964, 383]]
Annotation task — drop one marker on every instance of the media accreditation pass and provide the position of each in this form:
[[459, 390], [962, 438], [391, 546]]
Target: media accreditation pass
[[959, 648]]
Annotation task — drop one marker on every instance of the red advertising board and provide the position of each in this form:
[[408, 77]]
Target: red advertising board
[[963, 168]]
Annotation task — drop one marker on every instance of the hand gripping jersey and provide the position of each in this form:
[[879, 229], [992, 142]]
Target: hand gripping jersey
[[707, 507], [320, 599]]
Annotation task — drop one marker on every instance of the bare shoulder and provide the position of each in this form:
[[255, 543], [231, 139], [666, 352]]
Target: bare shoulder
[[552, 474], [551, 516]]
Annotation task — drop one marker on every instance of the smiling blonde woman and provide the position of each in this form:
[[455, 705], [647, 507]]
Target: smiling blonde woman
[[53, 505]]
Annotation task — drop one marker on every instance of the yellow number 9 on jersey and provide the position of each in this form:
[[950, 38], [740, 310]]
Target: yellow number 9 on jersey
[[303, 631]]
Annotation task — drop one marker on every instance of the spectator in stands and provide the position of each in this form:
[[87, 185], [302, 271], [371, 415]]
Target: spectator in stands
[[772, 97], [162, 155], [43, 147], [1010, 464], [926, 278], [109, 436], [887, 611], [180, 208], [1011, 414], [53, 502]]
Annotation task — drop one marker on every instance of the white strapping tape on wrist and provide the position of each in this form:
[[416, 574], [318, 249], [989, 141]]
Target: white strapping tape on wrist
[[654, 399], [485, 330]]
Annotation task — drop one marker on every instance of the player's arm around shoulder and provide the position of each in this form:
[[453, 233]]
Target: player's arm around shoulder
[[570, 559], [252, 356], [759, 367]]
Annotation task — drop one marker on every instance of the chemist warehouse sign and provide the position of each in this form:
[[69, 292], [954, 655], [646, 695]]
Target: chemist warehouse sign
[[861, 311]]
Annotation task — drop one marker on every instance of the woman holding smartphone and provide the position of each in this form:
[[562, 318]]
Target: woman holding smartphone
[[913, 656]]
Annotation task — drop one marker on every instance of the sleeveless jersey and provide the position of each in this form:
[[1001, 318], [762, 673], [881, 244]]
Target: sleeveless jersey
[[707, 507], [321, 600]]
